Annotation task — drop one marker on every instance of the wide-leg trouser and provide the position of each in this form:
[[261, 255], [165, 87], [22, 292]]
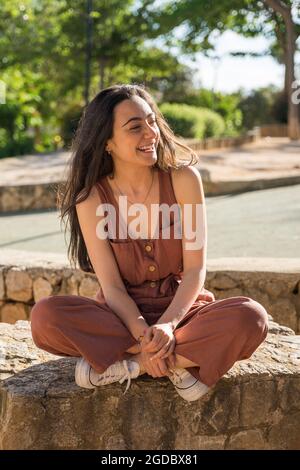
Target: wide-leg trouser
[[214, 335]]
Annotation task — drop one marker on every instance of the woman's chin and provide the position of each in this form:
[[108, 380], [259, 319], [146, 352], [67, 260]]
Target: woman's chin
[[148, 160]]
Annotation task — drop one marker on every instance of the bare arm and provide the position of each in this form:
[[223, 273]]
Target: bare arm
[[106, 268], [189, 190]]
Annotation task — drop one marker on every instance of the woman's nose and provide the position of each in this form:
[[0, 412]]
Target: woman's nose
[[150, 131]]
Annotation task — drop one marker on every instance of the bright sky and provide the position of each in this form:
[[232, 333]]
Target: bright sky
[[229, 74]]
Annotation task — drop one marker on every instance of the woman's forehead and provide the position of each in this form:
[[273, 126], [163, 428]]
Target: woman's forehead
[[135, 107]]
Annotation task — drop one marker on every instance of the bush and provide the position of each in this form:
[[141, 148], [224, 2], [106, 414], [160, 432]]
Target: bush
[[10, 148], [15, 138], [193, 122], [225, 105], [69, 122], [257, 106]]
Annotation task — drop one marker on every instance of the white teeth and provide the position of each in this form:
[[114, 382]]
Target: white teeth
[[147, 148]]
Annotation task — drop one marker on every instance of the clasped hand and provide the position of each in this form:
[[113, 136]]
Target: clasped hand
[[157, 349]]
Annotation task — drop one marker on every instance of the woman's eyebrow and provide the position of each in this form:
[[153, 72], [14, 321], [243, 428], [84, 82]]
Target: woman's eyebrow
[[137, 119]]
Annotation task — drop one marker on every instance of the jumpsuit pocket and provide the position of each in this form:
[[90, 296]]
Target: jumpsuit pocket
[[125, 257]]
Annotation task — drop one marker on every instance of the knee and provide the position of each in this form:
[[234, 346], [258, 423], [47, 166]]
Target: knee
[[42, 316], [253, 317]]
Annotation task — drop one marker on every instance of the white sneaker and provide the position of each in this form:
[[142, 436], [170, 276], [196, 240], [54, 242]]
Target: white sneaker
[[87, 377], [186, 385]]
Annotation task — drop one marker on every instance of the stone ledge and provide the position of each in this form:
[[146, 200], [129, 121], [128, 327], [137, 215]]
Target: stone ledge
[[256, 405], [44, 195], [221, 188], [30, 182], [26, 277], [28, 197]]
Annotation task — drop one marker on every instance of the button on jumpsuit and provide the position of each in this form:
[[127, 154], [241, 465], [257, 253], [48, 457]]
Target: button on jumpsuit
[[213, 334]]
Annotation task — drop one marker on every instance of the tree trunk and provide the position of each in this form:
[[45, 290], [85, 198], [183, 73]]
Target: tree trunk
[[293, 117]]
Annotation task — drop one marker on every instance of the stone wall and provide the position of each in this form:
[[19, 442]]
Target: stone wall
[[28, 197], [27, 277], [256, 405], [44, 195]]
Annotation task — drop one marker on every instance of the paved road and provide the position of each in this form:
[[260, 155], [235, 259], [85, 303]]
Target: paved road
[[267, 158], [262, 223]]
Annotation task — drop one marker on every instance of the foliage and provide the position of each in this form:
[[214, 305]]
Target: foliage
[[42, 51], [226, 105], [192, 122], [42, 61]]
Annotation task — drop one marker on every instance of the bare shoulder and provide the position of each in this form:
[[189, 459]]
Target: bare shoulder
[[187, 184], [92, 198]]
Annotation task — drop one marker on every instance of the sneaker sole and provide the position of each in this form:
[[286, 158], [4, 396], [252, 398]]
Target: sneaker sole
[[192, 393]]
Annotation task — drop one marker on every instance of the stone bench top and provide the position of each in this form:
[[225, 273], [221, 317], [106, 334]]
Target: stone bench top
[[21, 258], [255, 405]]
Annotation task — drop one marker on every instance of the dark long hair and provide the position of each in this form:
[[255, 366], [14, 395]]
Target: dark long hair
[[90, 161]]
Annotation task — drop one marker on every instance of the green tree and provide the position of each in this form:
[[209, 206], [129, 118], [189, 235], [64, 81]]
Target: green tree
[[202, 19], [44, 41]]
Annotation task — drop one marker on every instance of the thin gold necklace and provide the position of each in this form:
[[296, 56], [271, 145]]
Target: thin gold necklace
[[146, 194]]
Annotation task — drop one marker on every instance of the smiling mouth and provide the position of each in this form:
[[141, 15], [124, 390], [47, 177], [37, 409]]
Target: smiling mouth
[[148, 149]]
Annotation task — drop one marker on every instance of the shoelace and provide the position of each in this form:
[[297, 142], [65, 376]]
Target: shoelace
[[106, 378], [176, 378], [127, 376]]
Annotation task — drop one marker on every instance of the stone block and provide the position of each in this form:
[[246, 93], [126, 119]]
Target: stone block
[[12, 312], [41, 288], [18, 285]]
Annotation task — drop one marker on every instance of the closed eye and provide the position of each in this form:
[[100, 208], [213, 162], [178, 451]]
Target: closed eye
[[137, 127]]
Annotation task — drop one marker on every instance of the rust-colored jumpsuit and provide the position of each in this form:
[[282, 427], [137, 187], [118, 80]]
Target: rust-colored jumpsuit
[[213, 334]]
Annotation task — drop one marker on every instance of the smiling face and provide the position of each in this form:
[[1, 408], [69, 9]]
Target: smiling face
[[134, 140]]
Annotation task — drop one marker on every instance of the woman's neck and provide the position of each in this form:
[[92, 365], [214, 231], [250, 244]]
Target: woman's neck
[[135, 182]]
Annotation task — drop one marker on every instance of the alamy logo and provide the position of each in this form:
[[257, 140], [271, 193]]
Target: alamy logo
[[193, 220]]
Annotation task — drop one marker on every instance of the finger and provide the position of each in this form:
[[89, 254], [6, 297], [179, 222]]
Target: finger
[[149, 369], [162, 342], [160, 368], [169, 348], [149, 348], [154, 344], [171, 361], [156, 370], [153, 370], [163, 367], [149, 336], [162, 352]]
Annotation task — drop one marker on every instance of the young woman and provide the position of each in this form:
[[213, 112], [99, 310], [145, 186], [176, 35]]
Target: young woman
[[152, 313]]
